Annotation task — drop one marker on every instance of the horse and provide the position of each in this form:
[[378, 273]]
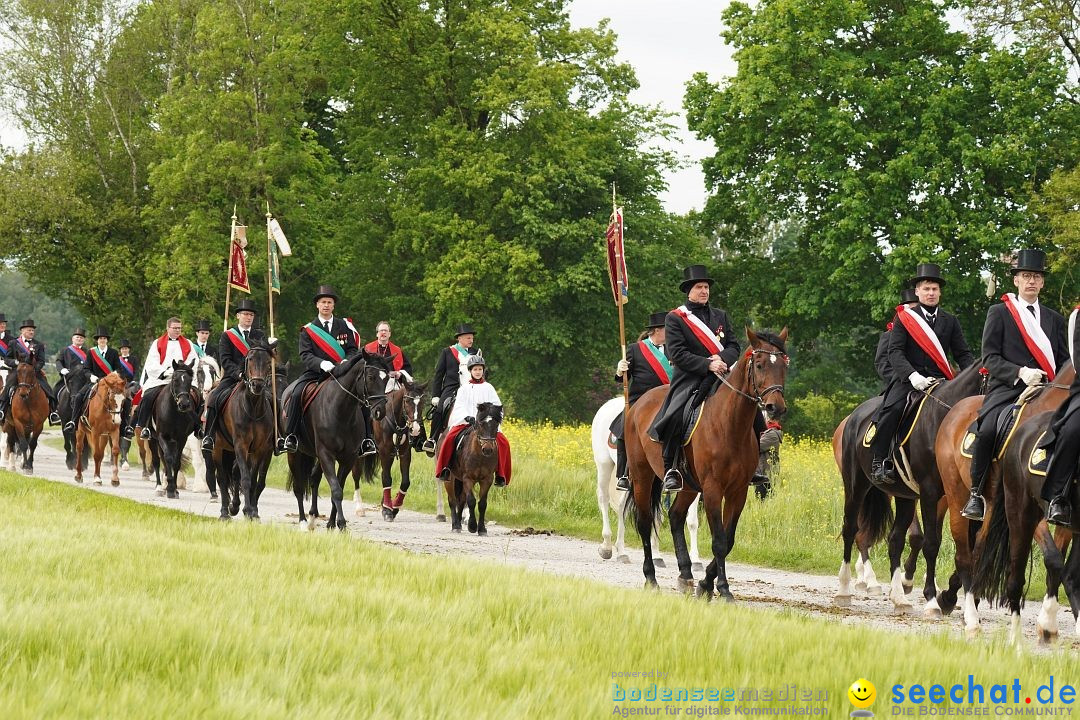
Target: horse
[[101, 426], [1015, 519], [867, 508], [394, 435], [474, 464], [608, 496], [174, 420], [72, 384], [207, 376], [721, 455], [955, 471], [331, 436], [26, 416], [125, 443], [244, 435]]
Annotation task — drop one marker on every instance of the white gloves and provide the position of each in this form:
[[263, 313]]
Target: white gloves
[[919, 381], [64, 371], [94, 379], [326, 366], [435, 402], [271, 340], [622, 367], [1030, 376]]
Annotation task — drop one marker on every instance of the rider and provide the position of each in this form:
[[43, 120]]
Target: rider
[[450, 374], [232, 350], [70, 359], [1023, 343], [701, 345], [469, 396], [881, 355], [5, 339], [129, 366], [172, 346], [917, 345], [1063, 446], [648, 368], [100, 361], [21, 349], [381, 345], [324, 343], [202, 338]]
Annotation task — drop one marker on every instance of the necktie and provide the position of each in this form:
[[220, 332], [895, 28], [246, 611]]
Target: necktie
[[930, 319], [326, 324], [1031, 308], [244, 333]]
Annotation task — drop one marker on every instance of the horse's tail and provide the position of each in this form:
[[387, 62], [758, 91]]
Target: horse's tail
[[630, 508], [367, 467], [875, 516], [991, 571]]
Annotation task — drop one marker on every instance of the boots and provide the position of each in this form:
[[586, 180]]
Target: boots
[[623, 482], [882, 471], [673, 479], [208, 433], [975, 509]]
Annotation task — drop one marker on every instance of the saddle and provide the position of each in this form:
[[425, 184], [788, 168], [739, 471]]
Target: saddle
[[308, 394], [1003, 432], [909, 417]]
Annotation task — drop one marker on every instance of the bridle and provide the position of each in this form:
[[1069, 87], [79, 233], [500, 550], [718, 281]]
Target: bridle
[[402, 420], [369, 400], [759, 393], [177, 396], [248, 380], [486, 442]]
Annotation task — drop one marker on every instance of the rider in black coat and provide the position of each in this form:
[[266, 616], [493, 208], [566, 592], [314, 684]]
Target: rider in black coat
[[231, 354]]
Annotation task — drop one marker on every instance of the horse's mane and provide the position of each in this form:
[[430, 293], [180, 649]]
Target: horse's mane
[[772, 338]]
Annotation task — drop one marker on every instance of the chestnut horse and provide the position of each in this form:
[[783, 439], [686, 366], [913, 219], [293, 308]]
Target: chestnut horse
[[955, 471], [26, 416], [474, 465], [101, 426], [394, 438], [722, 456]]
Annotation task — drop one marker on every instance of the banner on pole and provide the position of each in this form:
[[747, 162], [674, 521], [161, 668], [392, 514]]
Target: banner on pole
[[275, 270], [617, 258], [238, 274], [279, 237]]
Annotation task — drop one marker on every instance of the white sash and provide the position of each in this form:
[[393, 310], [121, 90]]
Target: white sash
[[920, 320], [1072, 328], [1032, 329], [701, 330]]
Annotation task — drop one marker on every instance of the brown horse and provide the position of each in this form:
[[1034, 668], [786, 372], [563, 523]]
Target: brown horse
[[29, 409], [394, 436], [955, 471], [1003, 549], [474, 465], [101, 426], [722, 456]]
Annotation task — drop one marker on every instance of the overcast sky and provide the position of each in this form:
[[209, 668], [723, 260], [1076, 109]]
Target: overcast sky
[[666, 41]]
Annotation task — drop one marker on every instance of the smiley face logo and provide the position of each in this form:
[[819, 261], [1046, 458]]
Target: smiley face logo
[[862, 693]]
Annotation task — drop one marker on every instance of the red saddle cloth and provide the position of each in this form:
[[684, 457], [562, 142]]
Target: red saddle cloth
[[449, 446]]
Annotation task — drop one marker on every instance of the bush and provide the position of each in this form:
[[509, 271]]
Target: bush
[[816, 415]]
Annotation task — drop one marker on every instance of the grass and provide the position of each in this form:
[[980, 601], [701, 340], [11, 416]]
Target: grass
[[116, 609]]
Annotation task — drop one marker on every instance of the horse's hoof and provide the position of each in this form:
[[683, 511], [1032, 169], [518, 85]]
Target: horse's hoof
[[932, 613], [685, 585], [875, 589], [727, 597], [172, 494], [97, 481], [842, 601], [651, 584], [125, 466], [78, 480], [440, 518], [1046, 637], [624, 559], [213, 495], [160, 492], [972, 631], [659, 562], [457, 529], [860, 585], [703, 592], [697, 567], [225, 517], [482, 532], [605, 552], [387, 514], [114, 483], [472, 525]]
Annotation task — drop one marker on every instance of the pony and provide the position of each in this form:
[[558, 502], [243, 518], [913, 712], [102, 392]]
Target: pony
[[207, 376], [26, 418], [473, 465], [608, 496], [101, 427], [721, 455], [174, 416], [394, 437]]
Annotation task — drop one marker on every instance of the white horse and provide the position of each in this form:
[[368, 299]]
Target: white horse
[[207, 376], [608, 496]]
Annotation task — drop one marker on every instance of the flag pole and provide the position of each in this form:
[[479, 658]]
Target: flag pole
[[228, 278], [619, 302], [270, 315]]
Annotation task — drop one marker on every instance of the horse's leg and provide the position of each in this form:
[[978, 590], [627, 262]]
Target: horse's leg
[[173, 449], [1047, 623], [715, 515], [386, 462], [916, 540], [404, 464], [314, 480], [440, 509], [481, 523], [929, 504], [854, 496], [1021, 532], [80, 438], [299, 475], [330, 471], [677, 520], [603, 501], [455, 498], [98, 442], [470, 499], [905, 512]]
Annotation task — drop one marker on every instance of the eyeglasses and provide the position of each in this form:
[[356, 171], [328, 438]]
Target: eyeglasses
[[1029, 275]]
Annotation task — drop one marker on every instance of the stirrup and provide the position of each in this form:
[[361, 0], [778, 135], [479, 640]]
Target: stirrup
[[1059, 512], [54, 418], [367, 447], [69, 426], [428, 446], [500, 481], [975, 509], [623, 483], [208, 441], [290, 443], [145, 434], [128, 432], [673, 481]]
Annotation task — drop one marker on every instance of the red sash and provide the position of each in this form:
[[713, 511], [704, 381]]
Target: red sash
[[3, 348], [710, 343], [81, 354], [238, 343], [101, 363], [396, 358], [654, 363], [163, 346], [1032, 346], [333, 354], [128, 366], [927, 344]]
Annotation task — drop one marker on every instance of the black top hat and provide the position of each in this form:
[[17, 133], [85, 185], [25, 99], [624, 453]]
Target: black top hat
[[692, 275], [27, 323], [464, 329], [326, 291], [245, 304], [1031, 261], [3, 318], [908, 295], [202, 325], [76, 331], [656, 320], [101, 332], [927, 271], [124, 343]]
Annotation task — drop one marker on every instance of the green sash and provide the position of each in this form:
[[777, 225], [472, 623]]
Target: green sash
[[326, 342], [659, 357]]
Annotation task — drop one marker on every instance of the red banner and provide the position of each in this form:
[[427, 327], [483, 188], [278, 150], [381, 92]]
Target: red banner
[[617, 258], [238, 275]]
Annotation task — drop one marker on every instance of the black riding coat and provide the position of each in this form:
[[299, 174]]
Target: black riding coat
[[881, 359], [446, 378], [68, 360], [311, 355], [906, 356], [1005, 352], [36, 347], [690, 359], [229, 358], [134, 374], [111, 356], [642, 376]]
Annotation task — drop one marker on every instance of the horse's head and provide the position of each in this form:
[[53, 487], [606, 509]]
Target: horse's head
[[372, 382], [26, 377], [116, 392], [767, 363], [180, 384], [258, 366], [488, 419], [76, 379], [207, 374], [412, 400]]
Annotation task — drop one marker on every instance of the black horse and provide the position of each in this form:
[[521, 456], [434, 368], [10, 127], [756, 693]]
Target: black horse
[[70, 387], [176, 408], [244, 442], [333, 430], [867, 509]]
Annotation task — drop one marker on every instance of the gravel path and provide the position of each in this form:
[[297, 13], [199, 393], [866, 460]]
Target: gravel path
[[753, 586]]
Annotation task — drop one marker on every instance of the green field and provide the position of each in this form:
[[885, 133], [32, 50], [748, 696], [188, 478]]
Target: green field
[[116, 609]]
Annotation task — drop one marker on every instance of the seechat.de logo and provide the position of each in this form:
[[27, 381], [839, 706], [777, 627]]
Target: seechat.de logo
[[862, 694]]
